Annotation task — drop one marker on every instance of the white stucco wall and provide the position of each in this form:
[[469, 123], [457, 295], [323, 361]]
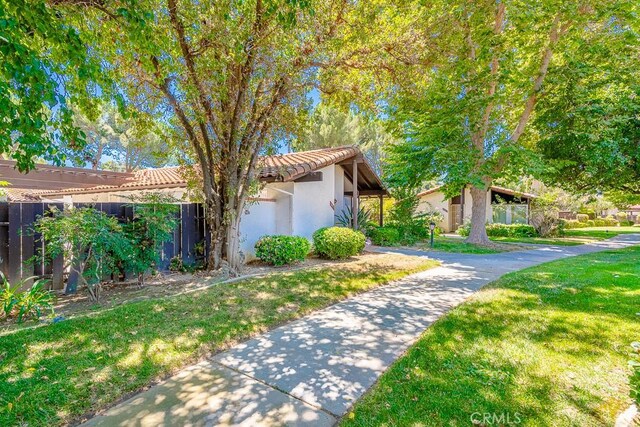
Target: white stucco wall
[[259, 219], [436, 202], [312, 203]]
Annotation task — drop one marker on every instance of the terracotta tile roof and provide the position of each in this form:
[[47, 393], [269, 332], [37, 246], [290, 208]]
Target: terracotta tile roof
[[287, 167], [281, 167], [495, 188], [22, 194]]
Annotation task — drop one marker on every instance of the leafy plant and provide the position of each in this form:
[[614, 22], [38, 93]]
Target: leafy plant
[[345, 218], [385, 236], [24, 304], [503, 230], [338, 242], [154, 220], [281, 250], [91, 242], [582, 217]]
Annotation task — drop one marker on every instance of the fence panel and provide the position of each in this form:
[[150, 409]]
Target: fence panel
[[18, 243]]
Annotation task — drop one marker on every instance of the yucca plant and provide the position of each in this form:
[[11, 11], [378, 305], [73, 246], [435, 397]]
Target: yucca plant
[[345, 218]]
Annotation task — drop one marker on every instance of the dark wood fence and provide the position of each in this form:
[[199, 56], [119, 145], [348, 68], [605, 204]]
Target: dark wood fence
[[18, 243]]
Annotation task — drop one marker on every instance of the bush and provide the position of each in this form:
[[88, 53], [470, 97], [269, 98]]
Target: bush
[[582, 217], [626, 223], [610, 221], [573, 223], [385, 236], [599, 222], [622, 216], [590, 223], [502, 230], [154, 220], [338, 242], [281, 250], [23, 304], [92, 243]]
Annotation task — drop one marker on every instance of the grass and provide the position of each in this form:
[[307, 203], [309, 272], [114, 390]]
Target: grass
[[453, 244], [559, 241], [600, 233], [52, 375], [549, 345], [574, 237]]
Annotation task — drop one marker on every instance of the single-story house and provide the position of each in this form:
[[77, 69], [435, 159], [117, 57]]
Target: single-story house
[[301, 191], [504, 206]]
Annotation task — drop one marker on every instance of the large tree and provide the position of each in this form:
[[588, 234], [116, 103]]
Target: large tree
[[224, 73], [43, 66], [117, 141], [464, 85], [329, 126]]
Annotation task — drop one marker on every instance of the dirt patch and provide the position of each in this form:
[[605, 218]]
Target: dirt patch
[[169, 284]]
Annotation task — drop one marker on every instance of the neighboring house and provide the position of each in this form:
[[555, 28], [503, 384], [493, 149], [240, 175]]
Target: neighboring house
[[504, 206], [301, 191]]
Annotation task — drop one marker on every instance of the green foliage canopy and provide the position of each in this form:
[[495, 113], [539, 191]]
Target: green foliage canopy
[[44, 64]]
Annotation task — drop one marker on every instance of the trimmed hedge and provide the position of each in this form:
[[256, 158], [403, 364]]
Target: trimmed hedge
[[582, 217], [385, 236], [281, 250], [338, 242], [503, 230]]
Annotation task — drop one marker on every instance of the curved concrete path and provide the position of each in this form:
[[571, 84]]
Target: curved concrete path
[[311, 371]]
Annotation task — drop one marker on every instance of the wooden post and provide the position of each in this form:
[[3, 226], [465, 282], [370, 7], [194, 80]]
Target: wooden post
[[354, 197], [380, 218]]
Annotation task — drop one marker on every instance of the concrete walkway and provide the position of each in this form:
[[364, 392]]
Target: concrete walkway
[[311, 371]]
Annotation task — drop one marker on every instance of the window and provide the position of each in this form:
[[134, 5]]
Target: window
[[500, 214], [510, 214], [518, 214]]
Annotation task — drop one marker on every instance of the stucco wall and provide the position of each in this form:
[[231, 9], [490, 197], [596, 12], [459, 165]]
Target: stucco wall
[[259, 219], [312, 204], [436, 202]]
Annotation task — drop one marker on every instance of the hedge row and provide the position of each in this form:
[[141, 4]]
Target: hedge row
[[503, 230]]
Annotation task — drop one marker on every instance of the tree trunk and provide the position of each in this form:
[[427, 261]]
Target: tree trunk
[[233, 246], [214, 256], [478, 233]]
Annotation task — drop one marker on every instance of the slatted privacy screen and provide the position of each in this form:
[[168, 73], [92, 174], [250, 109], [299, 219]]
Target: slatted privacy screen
[[18, 243]]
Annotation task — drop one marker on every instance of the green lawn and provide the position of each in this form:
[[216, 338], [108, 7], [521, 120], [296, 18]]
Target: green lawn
[[600, 233], [559, 241], [54, 374], [458, 245], [549, 345]]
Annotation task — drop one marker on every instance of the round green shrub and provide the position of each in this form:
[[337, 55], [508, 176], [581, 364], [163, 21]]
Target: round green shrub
[[582, 217], [338, 242], [281, 250], [385, 236]]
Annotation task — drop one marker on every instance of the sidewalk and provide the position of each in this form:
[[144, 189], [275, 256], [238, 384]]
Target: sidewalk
[[311, 371]]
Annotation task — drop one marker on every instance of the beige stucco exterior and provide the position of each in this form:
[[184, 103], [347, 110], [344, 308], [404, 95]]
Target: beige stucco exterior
[[438, 202]]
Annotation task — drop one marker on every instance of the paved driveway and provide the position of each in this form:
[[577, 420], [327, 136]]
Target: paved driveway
[[311, 371]]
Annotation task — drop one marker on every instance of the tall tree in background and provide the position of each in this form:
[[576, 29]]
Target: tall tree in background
[[464, 85], [36, 52], [329, 126], [116, 142], [224, 73]]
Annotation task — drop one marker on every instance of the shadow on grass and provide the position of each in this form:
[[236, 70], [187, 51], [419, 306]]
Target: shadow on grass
[[53, 374], [549, 344]]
